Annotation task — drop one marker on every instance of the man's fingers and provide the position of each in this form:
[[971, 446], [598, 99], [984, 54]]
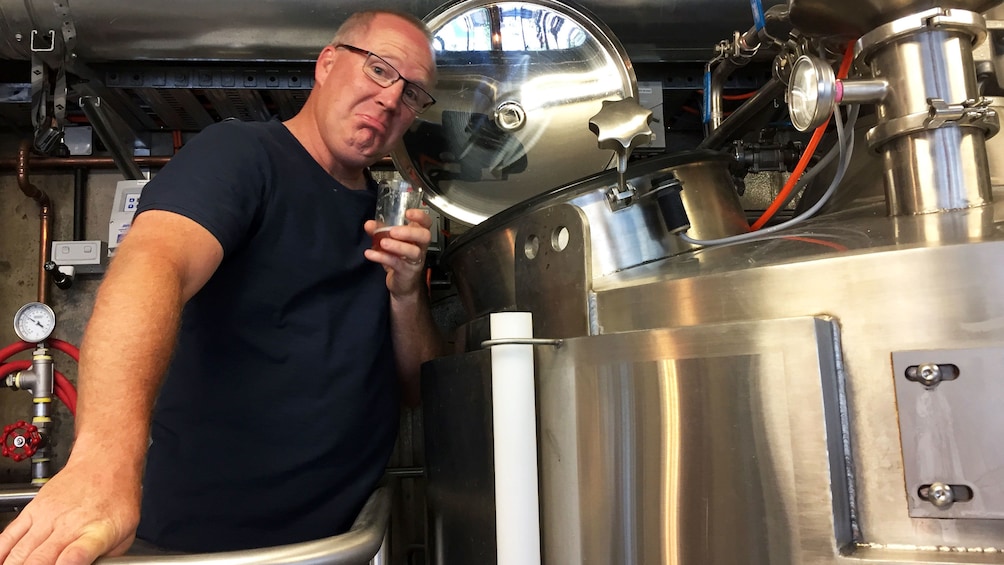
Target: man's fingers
[[83, 551], [12, 534], [94, 540], [25, 548]]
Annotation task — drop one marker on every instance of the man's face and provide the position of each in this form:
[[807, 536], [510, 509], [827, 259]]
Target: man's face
[[360, 120]]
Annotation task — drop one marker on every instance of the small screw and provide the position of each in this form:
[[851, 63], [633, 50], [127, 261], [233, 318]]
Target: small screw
[[929, 374], [18, 37], [941, 495]]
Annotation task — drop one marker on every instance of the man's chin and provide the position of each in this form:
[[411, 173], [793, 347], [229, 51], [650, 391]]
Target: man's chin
[[372, 148]]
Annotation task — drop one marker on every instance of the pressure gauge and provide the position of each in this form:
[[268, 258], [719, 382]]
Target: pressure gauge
[[34, 322], [813, 93]]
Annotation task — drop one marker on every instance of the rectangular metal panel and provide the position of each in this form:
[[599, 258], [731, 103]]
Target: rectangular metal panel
[[717, 444], [951, 429], [457, 412]]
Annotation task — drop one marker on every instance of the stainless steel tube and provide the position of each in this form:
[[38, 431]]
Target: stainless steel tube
[[12, 498], [355, 547], [924, 58]]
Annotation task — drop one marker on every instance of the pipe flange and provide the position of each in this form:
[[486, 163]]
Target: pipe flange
[[973, 114], [944, 19]]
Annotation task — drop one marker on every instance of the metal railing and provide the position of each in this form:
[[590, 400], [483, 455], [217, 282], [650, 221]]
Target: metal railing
[[362, 544]]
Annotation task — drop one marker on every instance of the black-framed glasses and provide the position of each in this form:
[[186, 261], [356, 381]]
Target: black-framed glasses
[[384, 74]]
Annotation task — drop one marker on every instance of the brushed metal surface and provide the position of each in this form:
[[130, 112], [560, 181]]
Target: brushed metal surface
[[482, 258], [712, 444], [951, 430], [716, 444], [895, 284], [551, 270], [355, 547], [856, 17], [460, 471], [931, 169]]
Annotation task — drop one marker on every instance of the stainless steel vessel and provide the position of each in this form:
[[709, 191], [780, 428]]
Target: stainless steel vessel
[[856, 17], [294, 30], [825, 394]]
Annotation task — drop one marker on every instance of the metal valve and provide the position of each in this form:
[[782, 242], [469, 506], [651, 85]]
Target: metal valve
[[20, 440]]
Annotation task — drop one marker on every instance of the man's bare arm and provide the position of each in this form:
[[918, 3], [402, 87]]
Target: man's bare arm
[[91, 507]]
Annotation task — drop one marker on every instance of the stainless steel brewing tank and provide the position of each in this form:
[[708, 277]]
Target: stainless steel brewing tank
[[586, 220], [295, 30], [761, 403], [893, 290]]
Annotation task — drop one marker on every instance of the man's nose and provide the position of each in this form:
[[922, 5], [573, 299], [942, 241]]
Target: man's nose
[[390, 97]]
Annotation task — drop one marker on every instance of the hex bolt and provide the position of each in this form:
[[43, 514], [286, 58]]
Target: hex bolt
[[929, 374], [940, 495]]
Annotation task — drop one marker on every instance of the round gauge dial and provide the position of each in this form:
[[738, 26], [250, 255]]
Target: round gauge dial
[[34, 322]]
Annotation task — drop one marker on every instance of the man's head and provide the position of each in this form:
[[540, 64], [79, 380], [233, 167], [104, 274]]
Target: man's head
[[376, 63]]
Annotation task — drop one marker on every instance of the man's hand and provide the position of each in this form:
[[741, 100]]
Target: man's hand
[[87, 510], [403, 253]]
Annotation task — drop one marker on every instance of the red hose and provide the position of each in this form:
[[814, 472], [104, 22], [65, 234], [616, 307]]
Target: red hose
[[8, 368], [15, 348], [66, 392], [66, 348]]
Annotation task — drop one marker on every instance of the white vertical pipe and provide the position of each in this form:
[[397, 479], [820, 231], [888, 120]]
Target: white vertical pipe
[[514, 425]]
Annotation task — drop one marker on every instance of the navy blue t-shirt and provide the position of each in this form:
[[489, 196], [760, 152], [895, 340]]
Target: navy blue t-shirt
[[279, 410]]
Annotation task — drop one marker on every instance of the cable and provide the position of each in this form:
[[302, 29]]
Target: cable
[[845, 144], [789, 186], [810, 149], [812, 174]]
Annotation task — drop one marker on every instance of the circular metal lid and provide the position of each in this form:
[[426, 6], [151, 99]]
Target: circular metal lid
[[518, 83]]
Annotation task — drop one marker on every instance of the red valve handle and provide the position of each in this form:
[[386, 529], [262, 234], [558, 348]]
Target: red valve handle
[[20, 440]]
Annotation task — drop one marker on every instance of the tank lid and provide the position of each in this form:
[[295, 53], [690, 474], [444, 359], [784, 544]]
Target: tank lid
[[518, 83]]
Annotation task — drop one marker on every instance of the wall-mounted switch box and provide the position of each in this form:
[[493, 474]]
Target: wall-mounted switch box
[[84, 255], [127, 193]]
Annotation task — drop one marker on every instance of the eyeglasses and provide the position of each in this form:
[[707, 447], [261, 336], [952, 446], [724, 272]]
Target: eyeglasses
[[384, 74]]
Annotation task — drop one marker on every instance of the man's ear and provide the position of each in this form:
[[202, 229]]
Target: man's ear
[[325, 61]]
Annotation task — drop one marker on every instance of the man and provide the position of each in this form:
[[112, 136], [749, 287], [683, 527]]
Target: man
[[248, 276]]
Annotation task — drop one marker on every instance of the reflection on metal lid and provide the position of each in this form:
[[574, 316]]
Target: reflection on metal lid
[[520, 27], [518, 82]]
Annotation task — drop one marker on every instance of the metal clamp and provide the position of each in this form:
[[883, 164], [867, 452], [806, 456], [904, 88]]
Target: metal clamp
[[52, 42], [520, 341], [620, 197], [944, 19], [971, 113]]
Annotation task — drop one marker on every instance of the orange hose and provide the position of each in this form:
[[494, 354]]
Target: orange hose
[[803, 162]]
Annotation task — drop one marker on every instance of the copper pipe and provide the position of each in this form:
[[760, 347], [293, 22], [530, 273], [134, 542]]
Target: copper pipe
[[45, 216], [49, 163]]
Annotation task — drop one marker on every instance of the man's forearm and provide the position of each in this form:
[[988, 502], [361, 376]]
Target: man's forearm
[[417, 339], [126, 347]]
